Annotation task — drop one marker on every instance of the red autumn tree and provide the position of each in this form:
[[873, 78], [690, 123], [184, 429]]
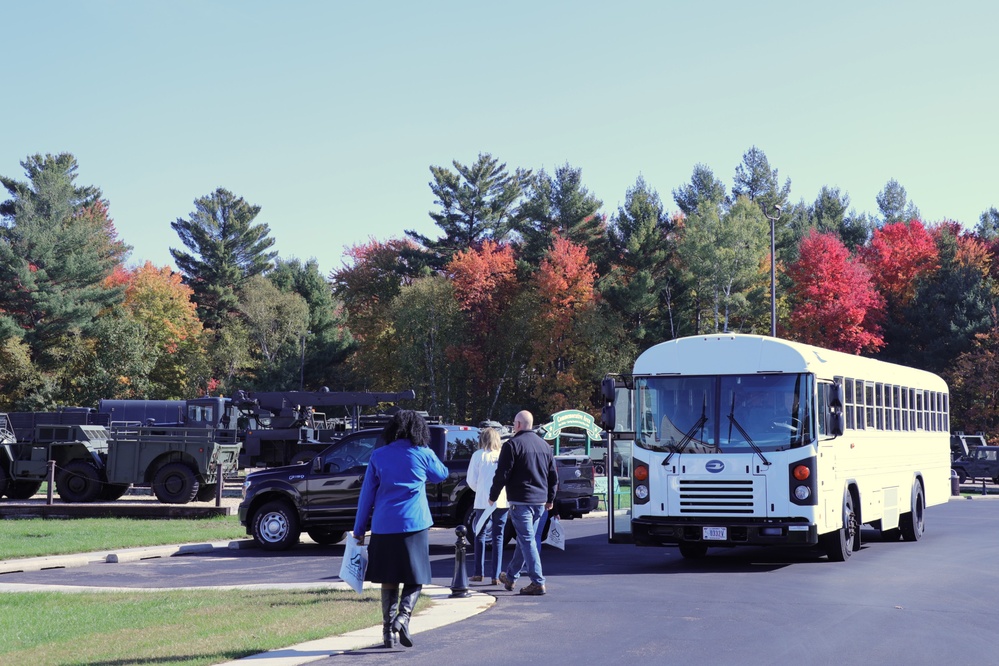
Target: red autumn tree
[[834, 301], [897, 255], [565, 288], [485, 284]]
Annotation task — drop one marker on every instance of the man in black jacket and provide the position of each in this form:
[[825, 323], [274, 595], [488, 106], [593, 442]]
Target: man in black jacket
[[526, 468]]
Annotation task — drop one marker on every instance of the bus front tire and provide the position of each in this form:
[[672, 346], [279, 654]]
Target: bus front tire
[[839, 545]]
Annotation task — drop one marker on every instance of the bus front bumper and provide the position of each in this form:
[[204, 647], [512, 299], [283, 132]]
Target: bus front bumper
[[655, 531]]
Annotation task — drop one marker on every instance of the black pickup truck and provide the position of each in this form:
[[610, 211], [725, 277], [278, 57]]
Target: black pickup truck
[[320, 497]]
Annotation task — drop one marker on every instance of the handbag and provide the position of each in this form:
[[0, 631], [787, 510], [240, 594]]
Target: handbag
[[556, 537], [354, 564]]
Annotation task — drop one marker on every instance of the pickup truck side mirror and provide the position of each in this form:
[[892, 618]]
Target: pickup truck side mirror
[[317, 465]]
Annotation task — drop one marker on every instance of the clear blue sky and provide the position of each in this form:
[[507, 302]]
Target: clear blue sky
[[328, 115]]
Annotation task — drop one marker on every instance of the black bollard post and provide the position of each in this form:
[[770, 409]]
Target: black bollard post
[[459, 584]]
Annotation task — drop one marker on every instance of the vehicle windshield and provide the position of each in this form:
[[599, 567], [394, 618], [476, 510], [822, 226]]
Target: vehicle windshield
[[724, 414]]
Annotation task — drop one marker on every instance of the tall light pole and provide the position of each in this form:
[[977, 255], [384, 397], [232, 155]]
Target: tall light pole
[[773, 271], [301, 367]]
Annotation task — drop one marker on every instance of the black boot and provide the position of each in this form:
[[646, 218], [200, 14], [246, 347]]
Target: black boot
[[390, 606], [410, 593]]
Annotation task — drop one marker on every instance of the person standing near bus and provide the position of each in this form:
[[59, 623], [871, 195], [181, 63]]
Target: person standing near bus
[[481, 470], [394, 495], [526, 468]]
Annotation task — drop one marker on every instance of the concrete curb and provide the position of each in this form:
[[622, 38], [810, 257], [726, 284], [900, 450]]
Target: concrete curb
[[114, 556]]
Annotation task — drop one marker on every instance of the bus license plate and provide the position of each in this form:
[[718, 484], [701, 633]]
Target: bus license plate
[[715, 533]]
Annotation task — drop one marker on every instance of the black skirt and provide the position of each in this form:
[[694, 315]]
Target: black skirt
[[402, 558]]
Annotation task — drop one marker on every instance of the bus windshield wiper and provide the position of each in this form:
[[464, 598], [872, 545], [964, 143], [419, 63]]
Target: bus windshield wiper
[[738, 426], [689, 435]]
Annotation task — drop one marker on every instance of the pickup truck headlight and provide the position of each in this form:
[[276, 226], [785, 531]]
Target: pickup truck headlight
[[246, 487]]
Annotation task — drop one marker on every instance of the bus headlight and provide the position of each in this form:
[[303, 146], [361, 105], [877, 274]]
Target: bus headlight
[[641, 492], [802, 492]]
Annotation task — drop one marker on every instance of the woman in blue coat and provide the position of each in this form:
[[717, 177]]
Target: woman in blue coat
[[394, 497]]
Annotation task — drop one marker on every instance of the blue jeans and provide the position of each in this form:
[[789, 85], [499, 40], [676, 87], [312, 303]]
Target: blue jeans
[[526, 519], [492, 532]]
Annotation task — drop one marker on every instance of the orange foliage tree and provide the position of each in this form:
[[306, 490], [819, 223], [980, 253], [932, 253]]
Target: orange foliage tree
[[486, 287], [564, 285]]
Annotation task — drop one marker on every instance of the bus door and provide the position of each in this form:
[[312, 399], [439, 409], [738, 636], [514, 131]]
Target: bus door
[[614, 489]]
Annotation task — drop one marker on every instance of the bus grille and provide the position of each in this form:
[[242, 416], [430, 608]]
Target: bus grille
[[727, 497]]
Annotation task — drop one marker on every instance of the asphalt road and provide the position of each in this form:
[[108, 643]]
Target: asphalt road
[[930, 602]]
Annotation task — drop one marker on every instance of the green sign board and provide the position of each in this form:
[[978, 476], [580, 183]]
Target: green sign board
[[571, 418]]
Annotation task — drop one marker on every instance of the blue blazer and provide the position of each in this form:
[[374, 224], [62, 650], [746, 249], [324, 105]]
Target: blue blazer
[[394, 492]]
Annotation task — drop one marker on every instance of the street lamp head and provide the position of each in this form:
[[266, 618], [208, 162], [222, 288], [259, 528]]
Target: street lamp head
[[779, 208]]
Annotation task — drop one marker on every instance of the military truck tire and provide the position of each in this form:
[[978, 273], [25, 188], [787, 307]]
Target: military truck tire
[[325, 536], [19, 490], [175, 483], [275, 526], [79, 481], [113, 491], [962, 476], [206, 492]]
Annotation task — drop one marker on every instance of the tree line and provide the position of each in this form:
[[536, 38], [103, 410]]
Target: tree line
[[527, 296]]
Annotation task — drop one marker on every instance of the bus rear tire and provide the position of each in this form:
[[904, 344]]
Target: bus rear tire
[[913, 523], [839, 545]]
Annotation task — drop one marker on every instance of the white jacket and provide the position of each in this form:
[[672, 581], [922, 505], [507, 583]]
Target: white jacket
[[481, 469]]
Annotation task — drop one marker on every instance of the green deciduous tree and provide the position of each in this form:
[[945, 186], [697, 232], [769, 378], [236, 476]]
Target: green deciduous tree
[[226, 247], [276, 323], [328, 339]]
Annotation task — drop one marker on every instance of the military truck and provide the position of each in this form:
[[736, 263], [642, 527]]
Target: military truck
[[981, 463], [95, 464]]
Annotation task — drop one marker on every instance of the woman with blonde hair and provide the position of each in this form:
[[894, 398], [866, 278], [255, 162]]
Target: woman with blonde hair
[[481, 469]]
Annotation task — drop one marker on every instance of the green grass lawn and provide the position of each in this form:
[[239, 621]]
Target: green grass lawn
[[39, 536], [173, 627]]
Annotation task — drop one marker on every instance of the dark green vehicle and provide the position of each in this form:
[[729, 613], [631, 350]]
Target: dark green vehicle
[[93, 464]]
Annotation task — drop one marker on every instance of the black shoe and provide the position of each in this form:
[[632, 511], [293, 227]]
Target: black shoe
[[406, 605]]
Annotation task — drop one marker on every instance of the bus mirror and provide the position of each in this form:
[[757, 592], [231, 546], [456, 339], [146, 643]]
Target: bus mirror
[[836, 424], [607, 389], [836, 396], [608, 417]]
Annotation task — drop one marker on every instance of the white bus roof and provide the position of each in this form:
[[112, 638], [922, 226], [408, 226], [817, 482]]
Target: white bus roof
[[740, 354]]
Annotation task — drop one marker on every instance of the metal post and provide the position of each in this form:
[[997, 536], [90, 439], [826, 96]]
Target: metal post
[[459, 583], [51, 482]]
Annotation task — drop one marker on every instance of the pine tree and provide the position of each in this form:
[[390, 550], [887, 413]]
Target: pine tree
[[226, 248]]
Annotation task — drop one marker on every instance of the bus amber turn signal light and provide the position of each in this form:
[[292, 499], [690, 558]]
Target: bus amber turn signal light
[[801, 472]]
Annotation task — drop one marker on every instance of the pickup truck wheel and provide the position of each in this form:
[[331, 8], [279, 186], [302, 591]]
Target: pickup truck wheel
[[206, 493], [19, 490], [912, 523], [275, 526], [325, 536], [78, 482], [175, 483]]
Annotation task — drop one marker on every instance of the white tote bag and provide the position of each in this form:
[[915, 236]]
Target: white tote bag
[[556, 537], [354, 564]]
